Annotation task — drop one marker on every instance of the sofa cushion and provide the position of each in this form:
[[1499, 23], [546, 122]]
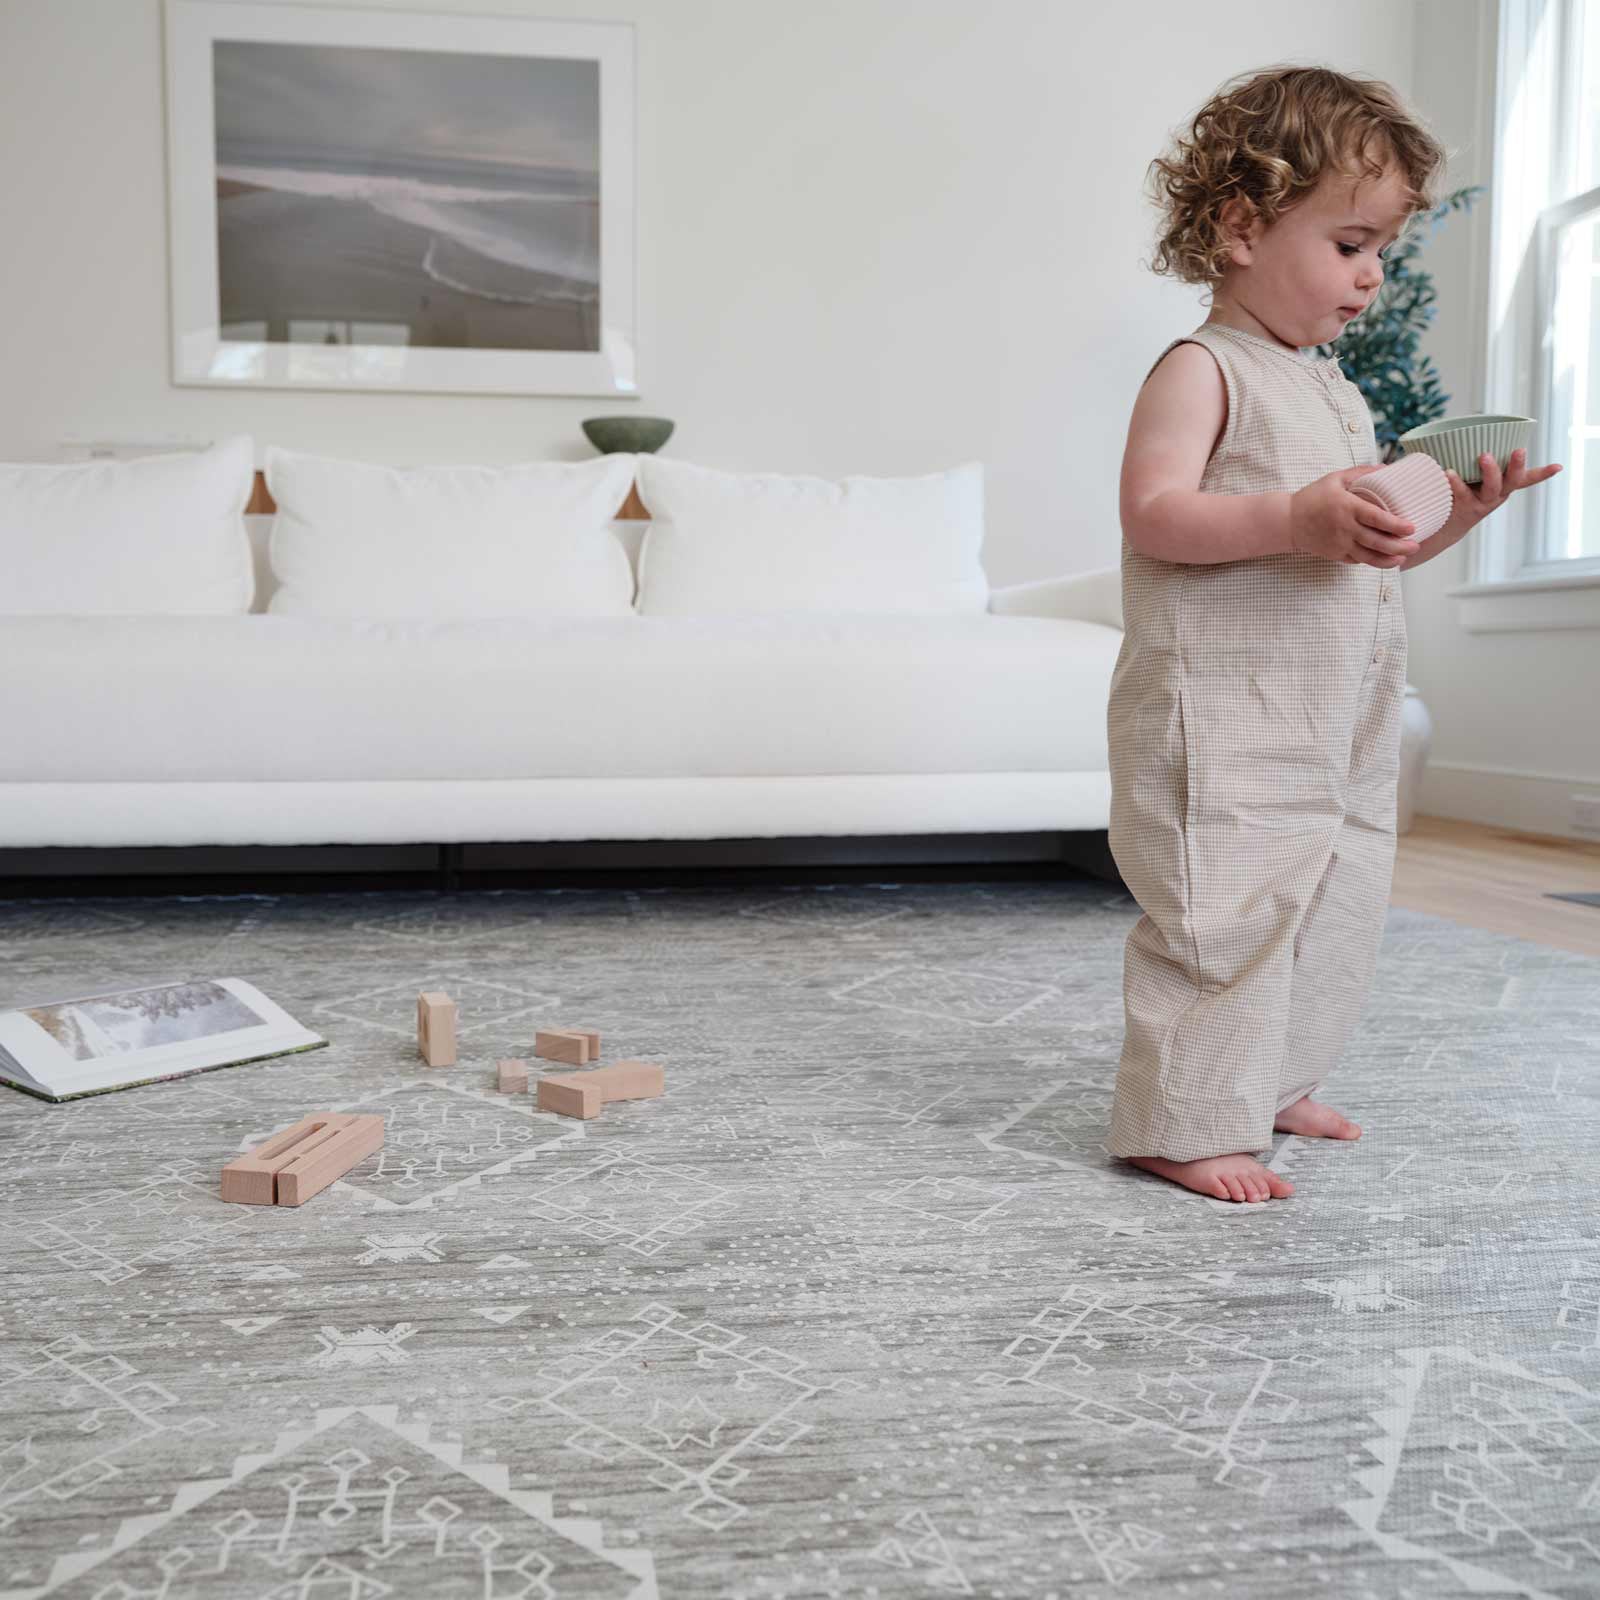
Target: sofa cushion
[[748, 544], [162, 534], [533, 540], [264, 698]]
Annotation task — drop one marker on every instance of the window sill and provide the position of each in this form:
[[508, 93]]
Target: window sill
[[1519, 605]]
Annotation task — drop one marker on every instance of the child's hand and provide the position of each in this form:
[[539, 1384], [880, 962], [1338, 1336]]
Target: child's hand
[[1472, 503], [1326, 519]]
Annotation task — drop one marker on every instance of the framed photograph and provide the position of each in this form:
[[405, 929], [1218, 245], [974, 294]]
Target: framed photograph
[[374, 199]]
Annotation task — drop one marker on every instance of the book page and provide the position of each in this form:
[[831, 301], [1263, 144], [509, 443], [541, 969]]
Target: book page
[[142, 1019], [100, 1041]]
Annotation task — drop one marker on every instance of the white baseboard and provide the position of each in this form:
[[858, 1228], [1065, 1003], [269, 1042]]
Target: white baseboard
[[1502, 797]]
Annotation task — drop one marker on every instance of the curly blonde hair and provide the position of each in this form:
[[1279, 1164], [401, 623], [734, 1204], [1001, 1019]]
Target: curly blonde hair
[[1268, 141]]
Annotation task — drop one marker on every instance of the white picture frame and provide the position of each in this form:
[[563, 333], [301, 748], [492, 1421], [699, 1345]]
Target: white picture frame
[[416, 202]]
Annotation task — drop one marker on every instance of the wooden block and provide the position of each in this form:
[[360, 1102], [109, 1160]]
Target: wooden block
[[436, 1028], [311, 1171], [513, 1075], [571, 1094], [293, 1165], [593, 1039], [251, 1180], [582, 1094], [560, 1045], [630, 1080]]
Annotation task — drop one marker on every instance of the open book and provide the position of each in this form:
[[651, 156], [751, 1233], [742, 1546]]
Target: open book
[[113, 1041]]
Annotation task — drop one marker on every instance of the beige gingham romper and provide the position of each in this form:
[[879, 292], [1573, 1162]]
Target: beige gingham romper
[[1254, 728]]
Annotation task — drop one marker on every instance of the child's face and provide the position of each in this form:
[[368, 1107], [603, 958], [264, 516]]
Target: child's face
[[1317, 267]]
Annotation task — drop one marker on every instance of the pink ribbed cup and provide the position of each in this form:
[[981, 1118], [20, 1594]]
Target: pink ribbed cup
[[1414, 487]]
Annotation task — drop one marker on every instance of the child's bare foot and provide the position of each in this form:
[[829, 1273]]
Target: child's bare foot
[[1316, 1121], [1237, 1177]]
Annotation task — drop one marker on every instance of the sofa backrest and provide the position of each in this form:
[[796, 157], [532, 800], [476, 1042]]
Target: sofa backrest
[[630, 534]]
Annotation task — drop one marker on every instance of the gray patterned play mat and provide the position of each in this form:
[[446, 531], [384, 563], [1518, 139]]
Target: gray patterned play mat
[[859, 1308]]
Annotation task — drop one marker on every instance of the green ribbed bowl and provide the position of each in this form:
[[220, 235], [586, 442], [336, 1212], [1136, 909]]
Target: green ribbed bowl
[[633, 435], [1457, 442]]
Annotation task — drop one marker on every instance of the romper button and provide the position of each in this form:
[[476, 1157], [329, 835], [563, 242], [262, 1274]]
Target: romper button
[[1379, 654], [1354, 427]]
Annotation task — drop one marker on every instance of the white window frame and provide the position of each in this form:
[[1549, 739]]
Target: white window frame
[[1513, 583]]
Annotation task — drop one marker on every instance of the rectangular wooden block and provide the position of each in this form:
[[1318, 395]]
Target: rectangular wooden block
[[513, 1076], [593, 1039], [312, 1171], [251, 1180], [559, 1045], [630, 1080], [582, 1094], [570, 1094], [436, 1028], [290, 1167]]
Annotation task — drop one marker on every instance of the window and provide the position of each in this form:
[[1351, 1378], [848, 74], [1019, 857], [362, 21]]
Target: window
[[1569, 256], [1544, 296]]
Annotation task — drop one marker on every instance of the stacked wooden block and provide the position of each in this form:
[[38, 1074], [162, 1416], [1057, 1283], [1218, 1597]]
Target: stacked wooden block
[[303, 1160], [579, 1046], [582, 1094], [569, 1094]]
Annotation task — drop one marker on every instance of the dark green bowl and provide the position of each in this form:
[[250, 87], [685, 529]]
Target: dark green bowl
[[633, 435]]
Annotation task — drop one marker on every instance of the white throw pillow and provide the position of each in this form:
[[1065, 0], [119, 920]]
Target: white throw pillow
[[353, 539], [159, 534], [759, 543]]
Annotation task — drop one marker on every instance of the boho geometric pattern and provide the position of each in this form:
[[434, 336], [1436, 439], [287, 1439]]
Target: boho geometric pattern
[[354, 1502], [743, 1402], [96, 1415], [1487, 1469], [859, 1307], [1197, 1387]]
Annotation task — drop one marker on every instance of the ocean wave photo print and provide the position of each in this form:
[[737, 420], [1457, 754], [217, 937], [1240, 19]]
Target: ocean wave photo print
[[380, 200]]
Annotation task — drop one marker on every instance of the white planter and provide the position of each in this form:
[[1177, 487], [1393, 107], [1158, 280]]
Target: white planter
[[1416, 734]]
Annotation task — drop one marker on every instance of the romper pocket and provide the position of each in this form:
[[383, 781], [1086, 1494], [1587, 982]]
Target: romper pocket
[[1186, 772], [1188, 778]]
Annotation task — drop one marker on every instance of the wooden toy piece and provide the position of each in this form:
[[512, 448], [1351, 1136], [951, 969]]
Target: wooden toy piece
[[558, 1044], [436, 1028], [631, 1080], [582, 1094], [301, 1161], [591, 1042], [252, 1180], [570, 1094], [513, 1076], [312, 1171]]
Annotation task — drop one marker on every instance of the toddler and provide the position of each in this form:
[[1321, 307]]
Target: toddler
[[1255, 707]]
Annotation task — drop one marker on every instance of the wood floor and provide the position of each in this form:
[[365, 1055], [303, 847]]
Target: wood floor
[[1492, 878]]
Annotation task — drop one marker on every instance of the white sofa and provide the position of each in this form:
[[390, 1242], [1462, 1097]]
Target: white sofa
[[264, 729]]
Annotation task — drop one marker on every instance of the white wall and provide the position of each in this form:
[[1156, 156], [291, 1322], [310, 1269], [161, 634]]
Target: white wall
[[1516, 730], [877, 236]]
